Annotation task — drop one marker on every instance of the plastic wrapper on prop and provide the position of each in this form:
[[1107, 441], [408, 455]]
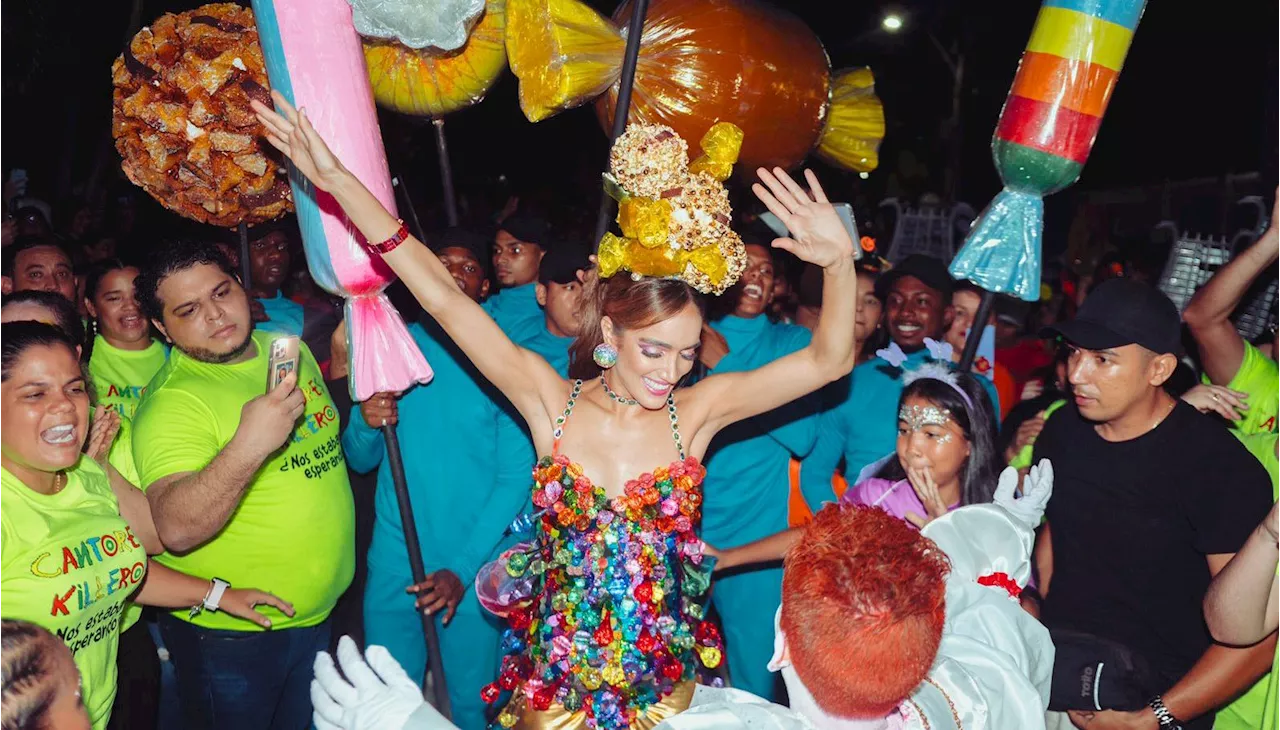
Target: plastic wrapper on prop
[[314, 59], [431, 82], [182, 122], [1046, 131], [442, 24], [701, 62]]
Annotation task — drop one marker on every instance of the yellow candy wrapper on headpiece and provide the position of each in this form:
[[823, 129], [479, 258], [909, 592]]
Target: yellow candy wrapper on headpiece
[[674, 216], [721, 145]]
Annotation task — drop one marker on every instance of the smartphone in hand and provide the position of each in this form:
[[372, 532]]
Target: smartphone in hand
[[282, 360], [844, 210]]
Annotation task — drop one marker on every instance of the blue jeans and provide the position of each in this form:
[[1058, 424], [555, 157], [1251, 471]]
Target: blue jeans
[[245, 680]]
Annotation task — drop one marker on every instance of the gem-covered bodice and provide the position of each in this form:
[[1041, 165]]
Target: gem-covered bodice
[[618, 587]]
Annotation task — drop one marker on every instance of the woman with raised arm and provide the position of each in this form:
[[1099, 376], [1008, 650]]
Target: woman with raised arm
[[609, 626]]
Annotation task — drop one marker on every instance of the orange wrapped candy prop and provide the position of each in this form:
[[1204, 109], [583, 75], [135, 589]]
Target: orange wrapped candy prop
[[430, 82], [701, 62], [182, 122]]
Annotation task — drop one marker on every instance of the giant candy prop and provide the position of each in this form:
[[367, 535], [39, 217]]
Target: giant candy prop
[[1050, 120], [701, 62], [314, 59], [182, 122], [442, 24], [431, 82]]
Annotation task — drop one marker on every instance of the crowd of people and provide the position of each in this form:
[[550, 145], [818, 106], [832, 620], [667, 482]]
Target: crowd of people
[[846, 524]]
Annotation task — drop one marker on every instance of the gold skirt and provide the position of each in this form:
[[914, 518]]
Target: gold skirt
[[558, 718]]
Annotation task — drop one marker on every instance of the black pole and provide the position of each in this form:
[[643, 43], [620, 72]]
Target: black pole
[[975, 331], [435, 666], [414, 223], [634, 30], [446, 173], [245, 272]]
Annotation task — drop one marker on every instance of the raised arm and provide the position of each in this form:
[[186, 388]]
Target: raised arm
[[819, 238], [1240, 607], [1209, 313], [528, 382]]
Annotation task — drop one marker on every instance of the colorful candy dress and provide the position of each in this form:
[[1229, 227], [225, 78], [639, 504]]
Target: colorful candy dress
[[608, 627]]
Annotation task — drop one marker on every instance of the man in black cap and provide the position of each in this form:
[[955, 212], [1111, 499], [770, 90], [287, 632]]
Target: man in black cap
[[559, 293], [1151, 500], [518, 248], [860, 423]]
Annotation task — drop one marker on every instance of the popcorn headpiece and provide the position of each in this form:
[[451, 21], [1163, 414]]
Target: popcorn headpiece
[[674, 215]]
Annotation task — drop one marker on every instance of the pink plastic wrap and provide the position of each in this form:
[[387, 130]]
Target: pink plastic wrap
[[314, 58]]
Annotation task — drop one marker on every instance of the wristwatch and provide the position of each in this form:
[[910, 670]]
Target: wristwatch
[[212, 598], [1163, 716]]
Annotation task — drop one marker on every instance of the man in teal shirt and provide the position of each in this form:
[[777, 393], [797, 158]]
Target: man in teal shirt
[[559, 293], [518, 247], [747, 485], [269, 262], [860, 422], [467, 462]]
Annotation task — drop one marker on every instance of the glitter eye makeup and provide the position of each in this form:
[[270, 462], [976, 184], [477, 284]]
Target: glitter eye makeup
[[917, 417]]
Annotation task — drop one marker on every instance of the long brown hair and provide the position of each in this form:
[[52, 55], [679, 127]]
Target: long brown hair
[[630, 304]]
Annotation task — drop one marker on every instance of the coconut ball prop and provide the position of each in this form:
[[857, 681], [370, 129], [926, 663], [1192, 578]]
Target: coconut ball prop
[[182, 122]]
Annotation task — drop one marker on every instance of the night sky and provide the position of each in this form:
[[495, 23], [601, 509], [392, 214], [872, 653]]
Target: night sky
[[1197, 98]]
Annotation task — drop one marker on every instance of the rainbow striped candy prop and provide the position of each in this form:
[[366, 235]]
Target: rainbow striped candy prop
[[1047, 128], [314, 57]]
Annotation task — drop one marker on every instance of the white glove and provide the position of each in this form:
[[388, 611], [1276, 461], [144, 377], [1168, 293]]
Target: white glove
[[1036, 490], [380, 696]]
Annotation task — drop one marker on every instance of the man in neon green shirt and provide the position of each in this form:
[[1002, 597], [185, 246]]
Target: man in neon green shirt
[[244, 485], [1231, 361]]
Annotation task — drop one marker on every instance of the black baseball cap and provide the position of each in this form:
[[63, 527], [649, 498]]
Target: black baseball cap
[[929, 270], [561, 263], [528, 228], [1123, 312]]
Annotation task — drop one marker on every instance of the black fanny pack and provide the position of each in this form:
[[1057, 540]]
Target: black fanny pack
[[1094, 673]]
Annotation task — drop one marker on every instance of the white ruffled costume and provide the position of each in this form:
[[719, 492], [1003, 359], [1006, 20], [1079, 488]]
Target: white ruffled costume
[[992, 670]]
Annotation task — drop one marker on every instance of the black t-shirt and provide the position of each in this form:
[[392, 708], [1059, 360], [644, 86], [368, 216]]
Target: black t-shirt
[[1132, 522]]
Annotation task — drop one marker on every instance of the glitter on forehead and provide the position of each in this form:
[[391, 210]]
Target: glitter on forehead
[[917, 417]]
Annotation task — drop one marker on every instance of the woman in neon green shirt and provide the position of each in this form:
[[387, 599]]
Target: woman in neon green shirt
[[68, 554], [124, 356]]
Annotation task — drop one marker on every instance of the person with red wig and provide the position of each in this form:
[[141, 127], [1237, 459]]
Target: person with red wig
[[862, 612]]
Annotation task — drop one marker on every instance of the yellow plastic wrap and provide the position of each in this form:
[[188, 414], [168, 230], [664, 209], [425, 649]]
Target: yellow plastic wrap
[[674, 220], [564, 53], [701, 62], [721, 146], [433, 83], [855, 122]]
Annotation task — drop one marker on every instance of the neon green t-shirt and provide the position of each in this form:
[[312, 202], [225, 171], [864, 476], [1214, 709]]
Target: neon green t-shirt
[[1259, 376], [67, 563], [294, 531], [120, 377], [1256, 708], [121, 459]]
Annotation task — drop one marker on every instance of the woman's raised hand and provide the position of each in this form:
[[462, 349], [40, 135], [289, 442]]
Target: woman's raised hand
[[292, 134], [818, 235]]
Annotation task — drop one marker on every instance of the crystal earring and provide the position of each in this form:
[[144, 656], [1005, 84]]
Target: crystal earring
[[605, 355]]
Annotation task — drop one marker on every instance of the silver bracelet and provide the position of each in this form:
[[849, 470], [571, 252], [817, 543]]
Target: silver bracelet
[[1163, 716]]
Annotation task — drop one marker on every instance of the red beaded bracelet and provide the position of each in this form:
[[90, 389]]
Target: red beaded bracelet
[[390, 244]]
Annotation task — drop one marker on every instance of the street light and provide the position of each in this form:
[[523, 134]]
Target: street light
[[892, 22]]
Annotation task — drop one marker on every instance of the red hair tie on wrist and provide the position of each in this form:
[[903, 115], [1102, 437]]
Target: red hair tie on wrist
[[390, 244]]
